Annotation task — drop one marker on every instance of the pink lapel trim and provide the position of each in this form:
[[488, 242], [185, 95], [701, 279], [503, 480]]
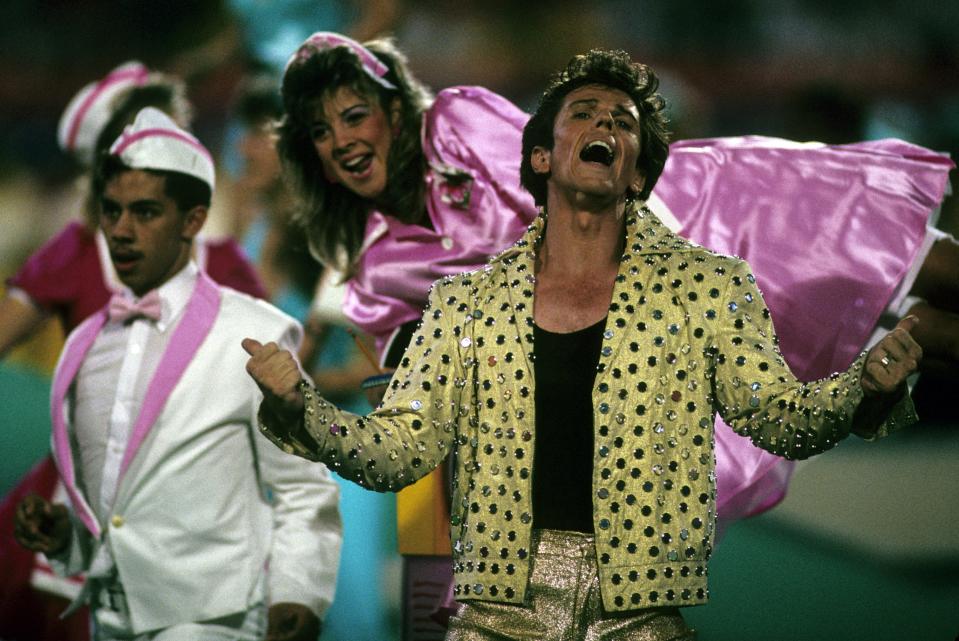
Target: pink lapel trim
[[73, 354], [197, 321], [110, 278]]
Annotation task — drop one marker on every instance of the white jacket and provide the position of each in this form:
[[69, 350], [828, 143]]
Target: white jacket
[[205, 503]]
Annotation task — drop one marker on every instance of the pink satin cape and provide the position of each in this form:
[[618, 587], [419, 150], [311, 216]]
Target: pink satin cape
[[829, 231]]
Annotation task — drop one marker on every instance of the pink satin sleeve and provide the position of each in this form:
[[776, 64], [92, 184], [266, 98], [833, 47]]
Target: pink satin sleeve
[[829, 232], [472, 141]]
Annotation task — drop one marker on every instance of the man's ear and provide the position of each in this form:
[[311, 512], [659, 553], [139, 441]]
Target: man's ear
[[193, 222], [540, 158], [638, 183]]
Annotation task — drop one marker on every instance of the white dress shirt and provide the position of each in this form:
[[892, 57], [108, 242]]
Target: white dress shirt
[[109, 391]]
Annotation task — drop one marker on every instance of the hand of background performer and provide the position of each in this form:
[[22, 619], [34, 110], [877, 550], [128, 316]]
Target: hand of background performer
[[291, 622], [41, 526]]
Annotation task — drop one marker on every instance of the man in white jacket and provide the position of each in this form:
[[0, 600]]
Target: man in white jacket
[[188, 523]]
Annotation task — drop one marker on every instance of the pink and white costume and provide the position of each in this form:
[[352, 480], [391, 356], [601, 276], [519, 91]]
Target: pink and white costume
[[71, 276], [187, 510]]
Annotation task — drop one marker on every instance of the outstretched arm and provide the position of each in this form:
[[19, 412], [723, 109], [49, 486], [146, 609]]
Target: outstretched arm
[[760, 398], [307, 532]]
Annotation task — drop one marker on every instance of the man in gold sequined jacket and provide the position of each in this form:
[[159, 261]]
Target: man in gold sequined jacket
[[686, 336]]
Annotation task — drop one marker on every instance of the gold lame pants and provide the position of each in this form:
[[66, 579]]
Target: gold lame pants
[[564, 604]]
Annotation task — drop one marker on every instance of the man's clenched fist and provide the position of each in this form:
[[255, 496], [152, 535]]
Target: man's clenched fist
[[277, 374]]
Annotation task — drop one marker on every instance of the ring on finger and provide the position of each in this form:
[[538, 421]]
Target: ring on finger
[[885, 361]]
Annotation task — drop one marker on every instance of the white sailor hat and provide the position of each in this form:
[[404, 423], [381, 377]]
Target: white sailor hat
[[154, 141], [91, 109]]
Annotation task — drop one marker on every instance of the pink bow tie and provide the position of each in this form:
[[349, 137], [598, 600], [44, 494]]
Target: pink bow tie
[[124, 310]]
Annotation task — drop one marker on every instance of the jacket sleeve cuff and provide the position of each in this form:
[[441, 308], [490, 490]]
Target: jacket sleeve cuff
[[902, 414], [297, 441], [877, 417]]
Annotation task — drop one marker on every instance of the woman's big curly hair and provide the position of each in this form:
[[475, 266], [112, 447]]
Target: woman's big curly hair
[[333, 216], [613, 69]]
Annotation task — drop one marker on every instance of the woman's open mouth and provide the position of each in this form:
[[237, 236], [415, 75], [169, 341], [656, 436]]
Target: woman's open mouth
[[358, 167]]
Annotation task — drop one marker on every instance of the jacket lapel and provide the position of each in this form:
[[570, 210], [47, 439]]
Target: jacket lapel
[[519, 265], [198, 319], [73, 354], [645, 235]]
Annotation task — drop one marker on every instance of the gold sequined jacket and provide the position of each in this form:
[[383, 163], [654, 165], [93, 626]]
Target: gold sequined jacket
[[687, 336]]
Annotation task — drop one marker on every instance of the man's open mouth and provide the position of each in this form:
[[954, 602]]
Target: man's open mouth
[[126, 260], [597, 151]]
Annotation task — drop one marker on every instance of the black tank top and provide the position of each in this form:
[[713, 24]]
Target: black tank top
[[565, 369]]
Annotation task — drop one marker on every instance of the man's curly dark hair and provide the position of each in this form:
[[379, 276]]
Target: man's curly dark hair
[[613, 69]]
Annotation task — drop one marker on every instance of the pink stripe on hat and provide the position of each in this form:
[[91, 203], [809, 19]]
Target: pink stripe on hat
[[126, 140], [132, 75], [154, 141]]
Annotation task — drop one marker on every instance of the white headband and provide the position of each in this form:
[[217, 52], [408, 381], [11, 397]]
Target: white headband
[[154, 141], [91, 108], [323, 40]]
